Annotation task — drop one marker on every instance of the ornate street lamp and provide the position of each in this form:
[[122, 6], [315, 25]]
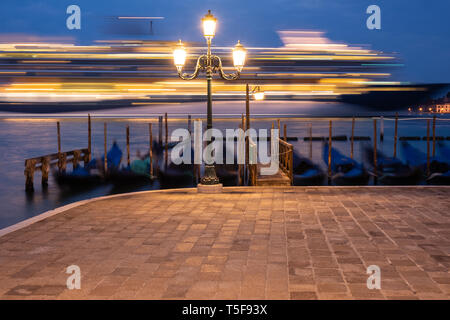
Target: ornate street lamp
[[258, 95], [209, 64]]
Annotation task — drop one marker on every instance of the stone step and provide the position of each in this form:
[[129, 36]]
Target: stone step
[[278, 179], [273, 182]]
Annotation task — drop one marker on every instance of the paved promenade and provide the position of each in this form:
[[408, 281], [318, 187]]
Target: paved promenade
[[246, 243]]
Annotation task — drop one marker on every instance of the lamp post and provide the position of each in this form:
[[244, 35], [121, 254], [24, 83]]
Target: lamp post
[[209, 64], [258, 94]]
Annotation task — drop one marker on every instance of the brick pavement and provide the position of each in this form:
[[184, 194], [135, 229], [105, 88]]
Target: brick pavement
[[246, 243]]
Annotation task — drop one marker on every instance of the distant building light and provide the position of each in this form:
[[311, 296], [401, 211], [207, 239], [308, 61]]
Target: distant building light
[[443, 108]]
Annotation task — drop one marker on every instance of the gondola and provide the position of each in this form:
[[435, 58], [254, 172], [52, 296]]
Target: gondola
[[306, 173], [85, 177], [439, 167], [127, 176], [80, 177], [137, 173], [141, 167], [158, 148], [444, 151], [174, 175], [392, 171], [113, 157], [93, 173], [345, 170], [439, 178], [228, 174]]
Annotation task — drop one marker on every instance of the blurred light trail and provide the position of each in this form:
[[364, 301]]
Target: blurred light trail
[[124, 72]]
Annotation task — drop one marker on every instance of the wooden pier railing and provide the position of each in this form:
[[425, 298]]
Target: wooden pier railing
[[285, 175], [252, 165], [286, 151], [59, 159]]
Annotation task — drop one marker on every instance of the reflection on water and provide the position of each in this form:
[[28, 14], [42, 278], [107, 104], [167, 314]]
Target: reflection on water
[[24, 138]]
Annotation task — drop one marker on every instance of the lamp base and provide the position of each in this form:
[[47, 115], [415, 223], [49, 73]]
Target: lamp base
[[209, 188], [210, 177]]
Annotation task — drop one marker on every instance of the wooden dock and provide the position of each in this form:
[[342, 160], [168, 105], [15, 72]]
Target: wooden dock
[[278, 179], [284, 176], [59, 159]]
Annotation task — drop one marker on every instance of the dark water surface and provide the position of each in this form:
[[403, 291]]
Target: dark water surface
[[26, 136]]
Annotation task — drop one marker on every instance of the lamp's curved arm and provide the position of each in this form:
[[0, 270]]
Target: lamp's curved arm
[[223, 75], [198, 67]]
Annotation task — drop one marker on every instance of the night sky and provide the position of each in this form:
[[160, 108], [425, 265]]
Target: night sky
[[418, 30]]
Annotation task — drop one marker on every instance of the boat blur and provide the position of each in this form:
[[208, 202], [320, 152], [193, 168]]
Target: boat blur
[[59, 76]]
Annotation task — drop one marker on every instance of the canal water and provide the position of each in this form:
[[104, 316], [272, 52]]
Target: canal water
[[30, 135]]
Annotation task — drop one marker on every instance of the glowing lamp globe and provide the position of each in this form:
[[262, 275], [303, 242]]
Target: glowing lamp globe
[[209, 25], [179, 56], [239, 54], [258, 95]]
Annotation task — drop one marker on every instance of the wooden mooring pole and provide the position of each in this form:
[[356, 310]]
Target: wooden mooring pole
[[352, 137], [45, 169], [375, 149], [189, 124], [310, 141], [434, 136], [285, 132], [128, 145], [58, 134], [61, 156], [329, 151], [89, 139], [245, 166], [428, 147], [76, 158], [58, 129], [29, 174], [247, 108], [197, 149], [240, 166], [160, 125], [151, 148], [105, 161], [166, 151], [395, 134]]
